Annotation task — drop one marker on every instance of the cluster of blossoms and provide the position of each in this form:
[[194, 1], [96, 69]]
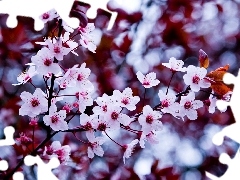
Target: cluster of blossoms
[[69, 92]]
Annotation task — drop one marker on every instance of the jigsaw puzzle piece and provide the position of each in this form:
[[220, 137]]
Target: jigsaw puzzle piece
[[63, 8], [34, 9], [232, 172], [8, 132], [234, 101], [231, 131], [44, 170], [97, 4], [228, 78]]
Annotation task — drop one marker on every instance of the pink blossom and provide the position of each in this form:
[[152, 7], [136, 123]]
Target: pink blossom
[[82, 74], [56, 119], [103, 104], [149, 120], [87, 42], [84, 99], [101, 124], [126, 99], [48, 16], [168, 103], [56, 48], [86, 39], [150, 137], [45, 63], [175, 65], [26, 76], [68, 43], [195, 78], [213, 100], [189, 105], [95, 146], [69, 78], [56, 149], [34, 104], [77, 77], [115, 117], [149, 80], [86, 121], [86, 30], [129, 149]]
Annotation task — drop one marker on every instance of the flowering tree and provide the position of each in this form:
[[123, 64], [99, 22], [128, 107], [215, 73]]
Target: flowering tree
[[89, 105]]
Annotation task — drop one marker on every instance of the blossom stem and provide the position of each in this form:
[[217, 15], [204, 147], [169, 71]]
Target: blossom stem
[[33, 138], [170, 82], [51, 91], [32, 84], [70, 118], [129, 129], [45, 81], [184, 92], [113, 140]]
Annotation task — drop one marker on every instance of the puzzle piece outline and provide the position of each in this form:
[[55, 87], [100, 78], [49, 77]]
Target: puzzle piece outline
[[35, 8], [95, 5], [28, 160], [43, 169], [230, 131]]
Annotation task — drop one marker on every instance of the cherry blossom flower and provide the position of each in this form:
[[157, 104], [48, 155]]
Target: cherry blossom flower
[[126, 99], [69, 78], [87, 123], [44, 62], [48, 16], [88, 29], [195, 78], [101, 124], [81, 76], [56, 149], [149, 80], [150, 137], [175, 65], [86, 39], [34, 104], [129, 149], [168, 103], [56, 48], [56, 119], [26, 76], [188, 106], [115, 117], [103, 104], [87, 42], [149, 120], [213, 100], [95, 146], [68, 43], [84, 99]]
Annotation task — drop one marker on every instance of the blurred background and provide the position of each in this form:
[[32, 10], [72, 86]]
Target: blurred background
[[145, 34]]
